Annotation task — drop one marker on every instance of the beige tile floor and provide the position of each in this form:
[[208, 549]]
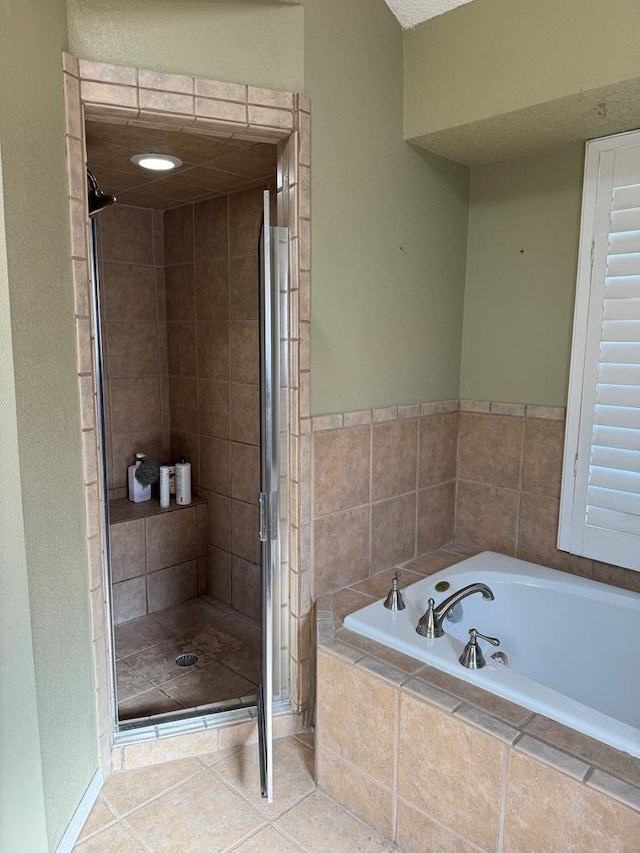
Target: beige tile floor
[[150, 682], [212, 804]]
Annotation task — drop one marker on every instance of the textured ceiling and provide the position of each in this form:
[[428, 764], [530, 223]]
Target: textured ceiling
[[410, 13], [211, 165]]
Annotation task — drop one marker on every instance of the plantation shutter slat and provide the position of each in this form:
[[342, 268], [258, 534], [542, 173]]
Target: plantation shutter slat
[[604, 509]]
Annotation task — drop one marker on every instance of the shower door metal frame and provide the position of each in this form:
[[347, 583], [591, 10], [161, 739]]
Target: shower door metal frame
[[272, 266]]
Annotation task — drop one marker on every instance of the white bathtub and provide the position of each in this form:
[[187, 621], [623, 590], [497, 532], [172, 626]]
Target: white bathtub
[[573, 644]]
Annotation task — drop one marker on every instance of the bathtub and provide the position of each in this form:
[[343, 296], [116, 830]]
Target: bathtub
[[573, 645]]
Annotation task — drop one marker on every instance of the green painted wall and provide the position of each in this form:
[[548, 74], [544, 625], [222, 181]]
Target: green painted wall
[[52, 548], [22, 815], [249, 42], [524, 220], [495, 56], [389, 223]]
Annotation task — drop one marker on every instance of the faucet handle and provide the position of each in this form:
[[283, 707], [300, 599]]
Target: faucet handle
[[394, 600], [493, 640], [427, 627], [472, 657]]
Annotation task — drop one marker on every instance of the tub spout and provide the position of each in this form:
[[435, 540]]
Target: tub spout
[[430, 625]]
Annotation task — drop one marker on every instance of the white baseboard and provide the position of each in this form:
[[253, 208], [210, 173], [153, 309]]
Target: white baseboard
[[71, 833]]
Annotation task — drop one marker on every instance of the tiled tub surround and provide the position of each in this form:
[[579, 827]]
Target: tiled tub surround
[[121, 94], [158, 556], [435, 763], [383, 489], [392, 483]]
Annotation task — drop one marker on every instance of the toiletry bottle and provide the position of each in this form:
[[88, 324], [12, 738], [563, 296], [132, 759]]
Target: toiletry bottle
[[183, 482], [137, 492], [165, 498]]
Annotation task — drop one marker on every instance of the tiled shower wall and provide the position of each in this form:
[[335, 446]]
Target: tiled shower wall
[[132, 305], [392, 483], [212, 332]]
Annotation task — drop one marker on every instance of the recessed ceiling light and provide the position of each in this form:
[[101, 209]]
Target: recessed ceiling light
[[156, 162]]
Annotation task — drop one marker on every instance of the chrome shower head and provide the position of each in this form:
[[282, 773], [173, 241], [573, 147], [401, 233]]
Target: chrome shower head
[[97, 198]]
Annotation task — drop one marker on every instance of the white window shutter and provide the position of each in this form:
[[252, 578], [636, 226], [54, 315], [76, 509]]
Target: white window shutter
[[600, 504]]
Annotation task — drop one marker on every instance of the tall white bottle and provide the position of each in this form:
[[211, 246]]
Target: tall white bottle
[[183, 482], [137, 492]]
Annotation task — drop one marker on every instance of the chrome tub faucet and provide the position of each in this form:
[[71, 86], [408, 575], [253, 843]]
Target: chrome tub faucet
[[430, 624]]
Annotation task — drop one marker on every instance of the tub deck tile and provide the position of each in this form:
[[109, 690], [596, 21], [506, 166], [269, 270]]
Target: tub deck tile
[[437, 697], [622, 791], [550, 755], [487, 723]]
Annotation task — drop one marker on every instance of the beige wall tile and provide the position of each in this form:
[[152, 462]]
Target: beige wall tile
[[546, 810], [180, 292], [435, 516], [128, 549], [245, 472], [438, 443], [181, 349], [166, 82], [73, 111], [538, 534], [108, 93], [211, 229], [127, 292], [126, 235], [417, 832], [267, 117], [215, 470], [341, 469], [245, 588], [243, 288], [221, 91], [244, 419], [221, 111], [394, 457], [393, 531], [451, 770], [345, 727], [367, 799], [270, 98], [212, 290], [213, 408], [133, 349], [171, 586], [244, 352], [178, 235], [106, 73], [129, 599], [172, 538], [219, 521], [487, 516], [341, 550], [543, 451], [168, 102], [213, 351], [135, 404], [490, 449], [244, 531], [245, 213], [219, 574]]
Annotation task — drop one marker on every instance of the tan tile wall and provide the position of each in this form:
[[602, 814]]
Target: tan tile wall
[[134, 342], [212, 344], [389, 484], [158, 559], [508, 494], [383, 489], [434, 763]]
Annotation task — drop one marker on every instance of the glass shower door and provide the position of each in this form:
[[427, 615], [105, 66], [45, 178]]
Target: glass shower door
[[272, 268]]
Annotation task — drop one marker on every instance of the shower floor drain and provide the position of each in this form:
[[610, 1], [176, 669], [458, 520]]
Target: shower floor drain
[[186, 660]]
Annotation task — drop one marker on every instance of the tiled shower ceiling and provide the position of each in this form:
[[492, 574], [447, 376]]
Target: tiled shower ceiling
[[211, 165]]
